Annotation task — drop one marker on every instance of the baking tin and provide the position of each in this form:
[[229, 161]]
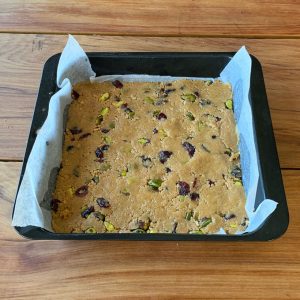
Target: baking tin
[[201, 64]]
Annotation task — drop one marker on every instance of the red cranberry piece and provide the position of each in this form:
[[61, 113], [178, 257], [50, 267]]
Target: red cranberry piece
[[161, 116], [194, 196], [195, 182], [124, 106], [236, 172], [74, 95], [168, 170], [85, 135], [183, 188], [168, 91], [164, 156], [87, 212], [211, 183], [69, 148], [99, 153], [75, 130], [118, 84], [105, 130], [102, 202], [189, 148], [54, 204], [82, 191], [229, 216]]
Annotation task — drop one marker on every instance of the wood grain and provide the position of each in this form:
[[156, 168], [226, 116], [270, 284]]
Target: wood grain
[[144, 270], [157, 18], [22, 58]]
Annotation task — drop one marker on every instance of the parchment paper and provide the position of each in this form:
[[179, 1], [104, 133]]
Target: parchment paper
[[32, 203]]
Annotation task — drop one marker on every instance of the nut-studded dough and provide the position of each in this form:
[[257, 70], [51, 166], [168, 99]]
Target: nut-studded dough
[[114, 179]]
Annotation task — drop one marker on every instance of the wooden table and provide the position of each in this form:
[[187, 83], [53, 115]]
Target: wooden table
[[33, 30]]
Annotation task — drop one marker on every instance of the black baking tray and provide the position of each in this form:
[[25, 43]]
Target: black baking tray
[[200, 64]]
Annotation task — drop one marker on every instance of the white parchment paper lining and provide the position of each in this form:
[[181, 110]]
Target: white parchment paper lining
[[73, 67]]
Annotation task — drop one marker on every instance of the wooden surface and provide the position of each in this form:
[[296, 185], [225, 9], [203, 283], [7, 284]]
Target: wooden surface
[[153, 17], [31, 31]]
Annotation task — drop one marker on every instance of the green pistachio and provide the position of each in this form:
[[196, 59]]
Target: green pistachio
[[99, 120], [104, 111], [200, 125], [118, 104], [105, 167], [143, 141], [149, 100], [188, 97], [155, 183], [162, 134], [109, 226], [104, 97], [112, 125], [205, 222], [90, 230], [96, 179], [75, 171], [188, 215], [107, 139], [190, 116], [229, 104], [124, 172], [125, 192]]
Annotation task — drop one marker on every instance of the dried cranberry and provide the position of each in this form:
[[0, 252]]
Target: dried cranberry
[[74, 95], [85, 135], [229, 216], [124, 106], [189, 148], [75, 130], [183, 188], [102, 202], [236, 172], [174, 227], [194, 196], [87, 212], [204, 102], [168, 170], [118, 84], [54, 204], [70, 148], [104, 147], [168, 91], [82, 191], [105, 130], [161, 116], [99, 153], [155, 131], [164, 156], [211, 183], [195, 182]]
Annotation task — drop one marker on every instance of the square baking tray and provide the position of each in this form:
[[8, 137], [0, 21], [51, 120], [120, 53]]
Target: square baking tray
[[200, 64]]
